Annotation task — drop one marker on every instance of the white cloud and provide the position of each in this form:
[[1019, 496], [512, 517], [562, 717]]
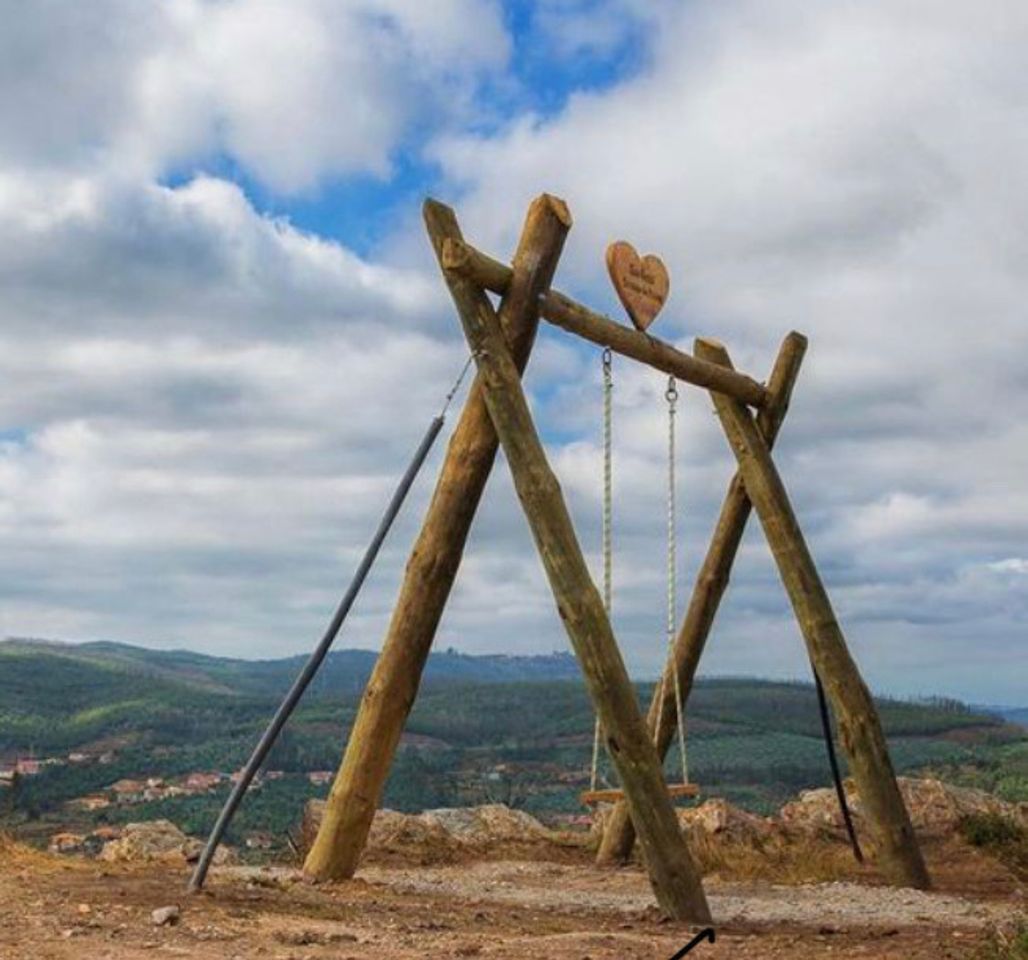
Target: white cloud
[[205, 408], [1014, 565], [853, 171], [209, 401], [295, 91]]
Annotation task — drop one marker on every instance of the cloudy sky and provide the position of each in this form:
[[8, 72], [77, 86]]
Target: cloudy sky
[[221, 332]]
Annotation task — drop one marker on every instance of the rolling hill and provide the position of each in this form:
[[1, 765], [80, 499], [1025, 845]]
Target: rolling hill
[[512, 729]]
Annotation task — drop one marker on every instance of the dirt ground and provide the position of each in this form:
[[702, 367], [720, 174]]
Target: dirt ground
[[65, 908]]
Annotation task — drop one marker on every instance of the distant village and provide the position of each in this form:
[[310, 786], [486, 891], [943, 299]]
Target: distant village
[[500, 783], [32, 767], [125, 792]]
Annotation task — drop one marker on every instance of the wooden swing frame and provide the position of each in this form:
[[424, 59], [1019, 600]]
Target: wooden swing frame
[[496, 413]]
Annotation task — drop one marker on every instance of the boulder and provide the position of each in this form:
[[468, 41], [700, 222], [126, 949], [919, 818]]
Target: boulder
[[437, 836], [491, 824], [415, 839], [935, 807], [157, 840], [715, 817], [718, 817], [166, 916]]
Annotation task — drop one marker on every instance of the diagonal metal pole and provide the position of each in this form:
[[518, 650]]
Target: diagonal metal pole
[[296, 691], [833, 762]]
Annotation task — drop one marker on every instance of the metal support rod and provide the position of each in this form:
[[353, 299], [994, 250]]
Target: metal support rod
[[311, 668], [833, 762]]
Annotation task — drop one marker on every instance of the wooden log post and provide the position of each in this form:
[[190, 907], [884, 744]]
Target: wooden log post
[[673, 874], [711, 582], [860, 729], [432, 567]]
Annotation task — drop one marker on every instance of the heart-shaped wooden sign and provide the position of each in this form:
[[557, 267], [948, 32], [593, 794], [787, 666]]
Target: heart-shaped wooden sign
[[642, 283]]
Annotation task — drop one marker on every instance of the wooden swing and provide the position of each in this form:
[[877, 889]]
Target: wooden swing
[[618, 254], [497, 415]]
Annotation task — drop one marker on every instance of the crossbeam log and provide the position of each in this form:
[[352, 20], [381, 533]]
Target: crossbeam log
[[711, 583], [673, 875], [432, 566], [461, 258], [860, 729]]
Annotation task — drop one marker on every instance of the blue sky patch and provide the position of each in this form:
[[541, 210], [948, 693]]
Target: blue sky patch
[[545, 71]]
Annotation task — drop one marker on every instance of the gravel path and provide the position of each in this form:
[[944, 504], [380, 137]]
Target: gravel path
[[556, 887]]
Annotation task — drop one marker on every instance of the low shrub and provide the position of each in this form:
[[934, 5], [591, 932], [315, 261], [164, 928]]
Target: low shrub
[[1006, 944], [1000, 837]]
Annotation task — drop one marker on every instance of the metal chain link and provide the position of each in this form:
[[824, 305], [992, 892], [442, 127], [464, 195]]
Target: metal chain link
[[671, 395], [607, 525], [608, 486]]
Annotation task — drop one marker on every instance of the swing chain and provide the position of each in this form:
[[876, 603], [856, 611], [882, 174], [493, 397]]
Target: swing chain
[[608, 390], [671, 395], [607, 360]]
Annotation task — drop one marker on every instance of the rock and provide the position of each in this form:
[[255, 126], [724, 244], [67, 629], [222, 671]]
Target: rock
[[493, 823], [715, 817], [437, 836], [158, 840], [935, 807], [66, 843], [412, 837], [166, 916]]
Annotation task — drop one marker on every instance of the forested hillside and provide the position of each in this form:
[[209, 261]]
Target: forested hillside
[[516, 730]]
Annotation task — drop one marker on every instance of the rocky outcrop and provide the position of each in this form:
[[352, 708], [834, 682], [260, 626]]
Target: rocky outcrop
[[717, 817], [440, 836], [493, 823], [712, 818], [157, 840], [935, 807]]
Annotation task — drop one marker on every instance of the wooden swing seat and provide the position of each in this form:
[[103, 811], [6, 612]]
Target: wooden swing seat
[[592, 797]]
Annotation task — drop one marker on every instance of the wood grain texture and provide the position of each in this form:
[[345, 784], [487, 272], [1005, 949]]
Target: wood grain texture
[[673, 875], [432, 565], [709, 588], [860, 731], [558, 309], [641, 283]]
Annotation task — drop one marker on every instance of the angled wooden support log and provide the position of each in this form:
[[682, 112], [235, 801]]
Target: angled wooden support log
[[860, 729], [464, 259], [711, 582], [433, 563], [673, 874]]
